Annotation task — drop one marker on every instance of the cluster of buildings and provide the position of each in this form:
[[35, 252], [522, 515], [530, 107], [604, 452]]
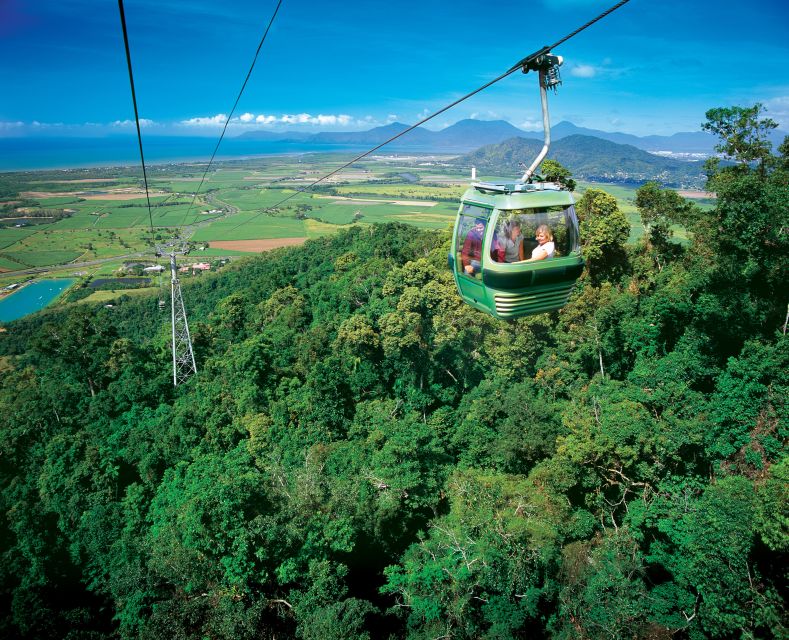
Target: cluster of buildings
[[197, 266], [158, 268]]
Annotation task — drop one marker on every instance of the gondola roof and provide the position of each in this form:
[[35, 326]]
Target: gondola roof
[[508, 196]]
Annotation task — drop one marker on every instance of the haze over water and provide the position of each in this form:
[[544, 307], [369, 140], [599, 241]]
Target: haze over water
[[24, 153]]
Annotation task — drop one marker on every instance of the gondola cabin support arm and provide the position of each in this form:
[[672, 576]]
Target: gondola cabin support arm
[[548, 68]]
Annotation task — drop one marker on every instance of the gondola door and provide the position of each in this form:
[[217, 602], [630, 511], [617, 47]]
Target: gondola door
[[471, 229]]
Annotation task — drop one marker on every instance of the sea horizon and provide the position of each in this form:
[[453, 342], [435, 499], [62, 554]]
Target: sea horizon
[[18, 154]]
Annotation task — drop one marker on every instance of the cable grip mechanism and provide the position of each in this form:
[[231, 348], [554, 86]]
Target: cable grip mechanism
[[547, 64]]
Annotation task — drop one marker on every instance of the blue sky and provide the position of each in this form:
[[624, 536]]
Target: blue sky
[[651, 67]]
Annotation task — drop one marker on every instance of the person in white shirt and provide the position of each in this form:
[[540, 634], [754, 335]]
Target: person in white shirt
[[545, 246]]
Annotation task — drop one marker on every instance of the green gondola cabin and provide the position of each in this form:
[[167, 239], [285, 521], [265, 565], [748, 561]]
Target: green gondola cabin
[[508, 284], [515, 248]]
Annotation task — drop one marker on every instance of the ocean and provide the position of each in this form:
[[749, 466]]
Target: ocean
[[35, 153]]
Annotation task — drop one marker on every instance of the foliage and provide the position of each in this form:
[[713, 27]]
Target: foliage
[[360, 455], [743, 135], [659, 210], [556, 172], [604, 230]]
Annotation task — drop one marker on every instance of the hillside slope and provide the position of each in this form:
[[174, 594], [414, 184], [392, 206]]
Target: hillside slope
[[588, 158], [361, 455]]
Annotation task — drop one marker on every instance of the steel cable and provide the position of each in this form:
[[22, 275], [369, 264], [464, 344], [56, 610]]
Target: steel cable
[[232, 111], [136, 114], [520, 65]]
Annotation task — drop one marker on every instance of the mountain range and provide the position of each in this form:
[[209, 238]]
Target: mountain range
[[499, 148], [467, 135], [589, 158], [464, 135]]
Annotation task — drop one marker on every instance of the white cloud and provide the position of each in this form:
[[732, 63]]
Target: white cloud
[[341, 120], [486, 115], [144, 122], [300, 118], [778, 109], [531, 125], [287, 118], [423, 114], [214, 121], [583, 71], [11, 125], [392, 117], [54, 125]]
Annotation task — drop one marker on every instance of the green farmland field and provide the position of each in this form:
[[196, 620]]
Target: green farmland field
[[42, 258], [6, 264], [246, 200], [253, 227], [12, 235], [59, 201], [113, 294], [405, 192]]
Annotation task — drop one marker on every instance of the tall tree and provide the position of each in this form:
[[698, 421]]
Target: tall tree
[[660, 209], [604, 229], [742, 133]]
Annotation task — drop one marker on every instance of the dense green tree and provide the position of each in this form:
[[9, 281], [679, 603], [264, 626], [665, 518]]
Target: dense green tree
[[604, 231], [603, 590], [742, 133], [659, 210], [555, 171], [483, 570], [751, 412], [745, 237], [362, 455]]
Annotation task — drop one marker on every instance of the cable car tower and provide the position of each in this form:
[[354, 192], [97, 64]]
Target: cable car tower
[[184, 364]]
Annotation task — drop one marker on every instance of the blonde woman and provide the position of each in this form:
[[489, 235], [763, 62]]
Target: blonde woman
[[545, 245]]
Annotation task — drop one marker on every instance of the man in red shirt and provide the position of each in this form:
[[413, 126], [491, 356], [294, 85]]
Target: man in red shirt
[[471, 253]]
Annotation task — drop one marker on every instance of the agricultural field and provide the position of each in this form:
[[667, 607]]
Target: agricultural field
[[111, 295], [96, 218]]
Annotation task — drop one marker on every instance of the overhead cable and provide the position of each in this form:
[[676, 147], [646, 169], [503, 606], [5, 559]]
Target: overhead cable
[[136, 115], [232, 111], [522, 64]]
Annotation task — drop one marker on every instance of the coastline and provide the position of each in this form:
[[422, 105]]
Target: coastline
[[21, 155]]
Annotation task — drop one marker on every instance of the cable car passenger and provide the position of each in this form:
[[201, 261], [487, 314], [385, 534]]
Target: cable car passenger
[[471, 254], [545, 245], [510, 243]]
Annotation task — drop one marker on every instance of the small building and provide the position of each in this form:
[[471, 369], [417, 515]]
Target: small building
[[154, 269], [201, 266]]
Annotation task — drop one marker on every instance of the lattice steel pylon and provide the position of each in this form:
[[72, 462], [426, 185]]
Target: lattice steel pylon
[[183, 355]]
